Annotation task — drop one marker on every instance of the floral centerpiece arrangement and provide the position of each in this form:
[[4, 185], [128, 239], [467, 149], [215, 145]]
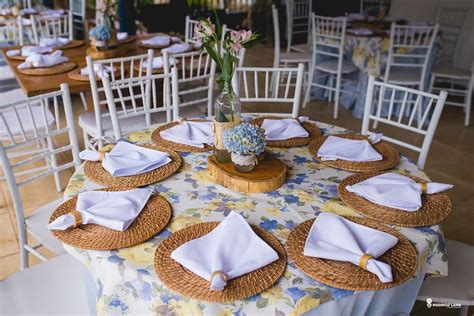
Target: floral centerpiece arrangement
[[225, 51], [245, 142], [104, 36], [100, 36]]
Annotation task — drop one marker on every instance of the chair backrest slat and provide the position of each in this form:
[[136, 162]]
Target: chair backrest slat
[[412, 110], [52, 26], [11, 32], [189, 30], [298, 18], [452, 22]]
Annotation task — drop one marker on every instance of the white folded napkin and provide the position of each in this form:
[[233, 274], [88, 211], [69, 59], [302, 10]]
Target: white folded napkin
[[336, 238], [190, 133], [39, 61], [100, 70], [360, 31], [283, 129], [158, 62], [40, 120], [121, 36], [53, 42], [30, 50], [5, 11], [13, 52], [114, 210], [396, 191], [335, 148], [178, 48], [127, 159], [230, 250], [28, 11], [355, 16], [159, 40]]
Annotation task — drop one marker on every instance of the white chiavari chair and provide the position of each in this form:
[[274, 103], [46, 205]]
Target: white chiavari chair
[[26, 124], [140, 98], [257, 81], [376, 5], [78, 11], [285, 59], [447, 74], [196, 74], [189, 30], [409, 53], [11, 34], [328, 62], [381, 106], [52, 26], [97, 126], [298, 21]]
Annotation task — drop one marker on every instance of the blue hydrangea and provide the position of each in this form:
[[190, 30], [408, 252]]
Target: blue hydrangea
[[245, 139], [101, 33]]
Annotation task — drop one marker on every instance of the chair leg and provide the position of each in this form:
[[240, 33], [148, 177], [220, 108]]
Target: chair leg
[[468, 105], [54, 164], [432, 82], [338, 90], [309, 85], [83, 100]]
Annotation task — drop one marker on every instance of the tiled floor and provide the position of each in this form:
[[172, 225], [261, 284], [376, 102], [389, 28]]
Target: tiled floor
[[450, 160]]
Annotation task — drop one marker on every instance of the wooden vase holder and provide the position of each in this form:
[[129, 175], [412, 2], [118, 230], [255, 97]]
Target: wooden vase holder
[[105, 54]]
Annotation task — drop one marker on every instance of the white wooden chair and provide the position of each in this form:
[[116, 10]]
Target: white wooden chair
[[52, 26], [285, 59], [189, 30], [78, 11], [196, 76], [409, 53], [328, 61], [26, 124], [139, 98], [11, 34], [381, 106], [366, 5], [257, 82], [53, 287], [298, 21], [458, 286], [97, 126], [447, 74]]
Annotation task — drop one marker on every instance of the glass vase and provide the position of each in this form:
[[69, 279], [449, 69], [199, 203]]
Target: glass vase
[[227, 115]]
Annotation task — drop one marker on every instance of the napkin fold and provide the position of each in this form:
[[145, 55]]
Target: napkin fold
[[127, 159], [100, 70], [13, 52], [178, 48], [121, 36], [158, 40], [39, 61], [360, 31], [190, 133], [396, 191], [53, 42], [114, 210], [52, 13], [336, 238], [230, 250], [349, 149], [283, 129], [31, 50]]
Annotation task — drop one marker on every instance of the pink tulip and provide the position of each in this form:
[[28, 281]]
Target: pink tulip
[[245, 36]]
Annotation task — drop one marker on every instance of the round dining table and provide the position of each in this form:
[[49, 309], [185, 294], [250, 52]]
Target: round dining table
[[126, 281]]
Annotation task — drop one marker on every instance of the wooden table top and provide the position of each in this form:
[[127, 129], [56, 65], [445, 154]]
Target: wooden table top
[[35, 85]]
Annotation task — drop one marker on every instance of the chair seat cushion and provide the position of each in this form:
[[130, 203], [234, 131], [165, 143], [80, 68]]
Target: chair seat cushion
[[295, 57], [405, 76], [450, 72], [37, 226], [331, 66]]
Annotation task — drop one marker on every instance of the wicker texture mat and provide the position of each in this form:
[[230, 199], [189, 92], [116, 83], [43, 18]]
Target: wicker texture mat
[[46, 71]]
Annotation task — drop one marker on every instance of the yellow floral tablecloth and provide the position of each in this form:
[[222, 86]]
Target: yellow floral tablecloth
[[128, 284]]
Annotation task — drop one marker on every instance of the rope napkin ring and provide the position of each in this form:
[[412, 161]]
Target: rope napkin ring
[[424, 187], [77, 217], [363, 261], [105, 150], [222, 274]]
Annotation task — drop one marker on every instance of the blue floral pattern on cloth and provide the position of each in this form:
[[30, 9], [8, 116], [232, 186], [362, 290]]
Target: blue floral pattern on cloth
[[126, 278]]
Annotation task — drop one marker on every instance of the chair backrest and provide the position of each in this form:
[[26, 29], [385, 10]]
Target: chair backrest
[[32, 131], [196, 74], [260, 85], [126, 67], [410, 47], [11, 32], [78, 10], [139, 97], [52, 26], [189, 30], [405, 108], [276, 37], [328, 37], [451, 22], [369, 6], [298, 19], [241, 57]]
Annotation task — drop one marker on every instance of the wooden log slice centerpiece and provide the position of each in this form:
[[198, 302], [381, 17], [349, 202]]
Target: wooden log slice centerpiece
[[269, 174]]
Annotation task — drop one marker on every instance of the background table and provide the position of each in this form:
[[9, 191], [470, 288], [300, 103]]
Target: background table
[[126, 279]]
